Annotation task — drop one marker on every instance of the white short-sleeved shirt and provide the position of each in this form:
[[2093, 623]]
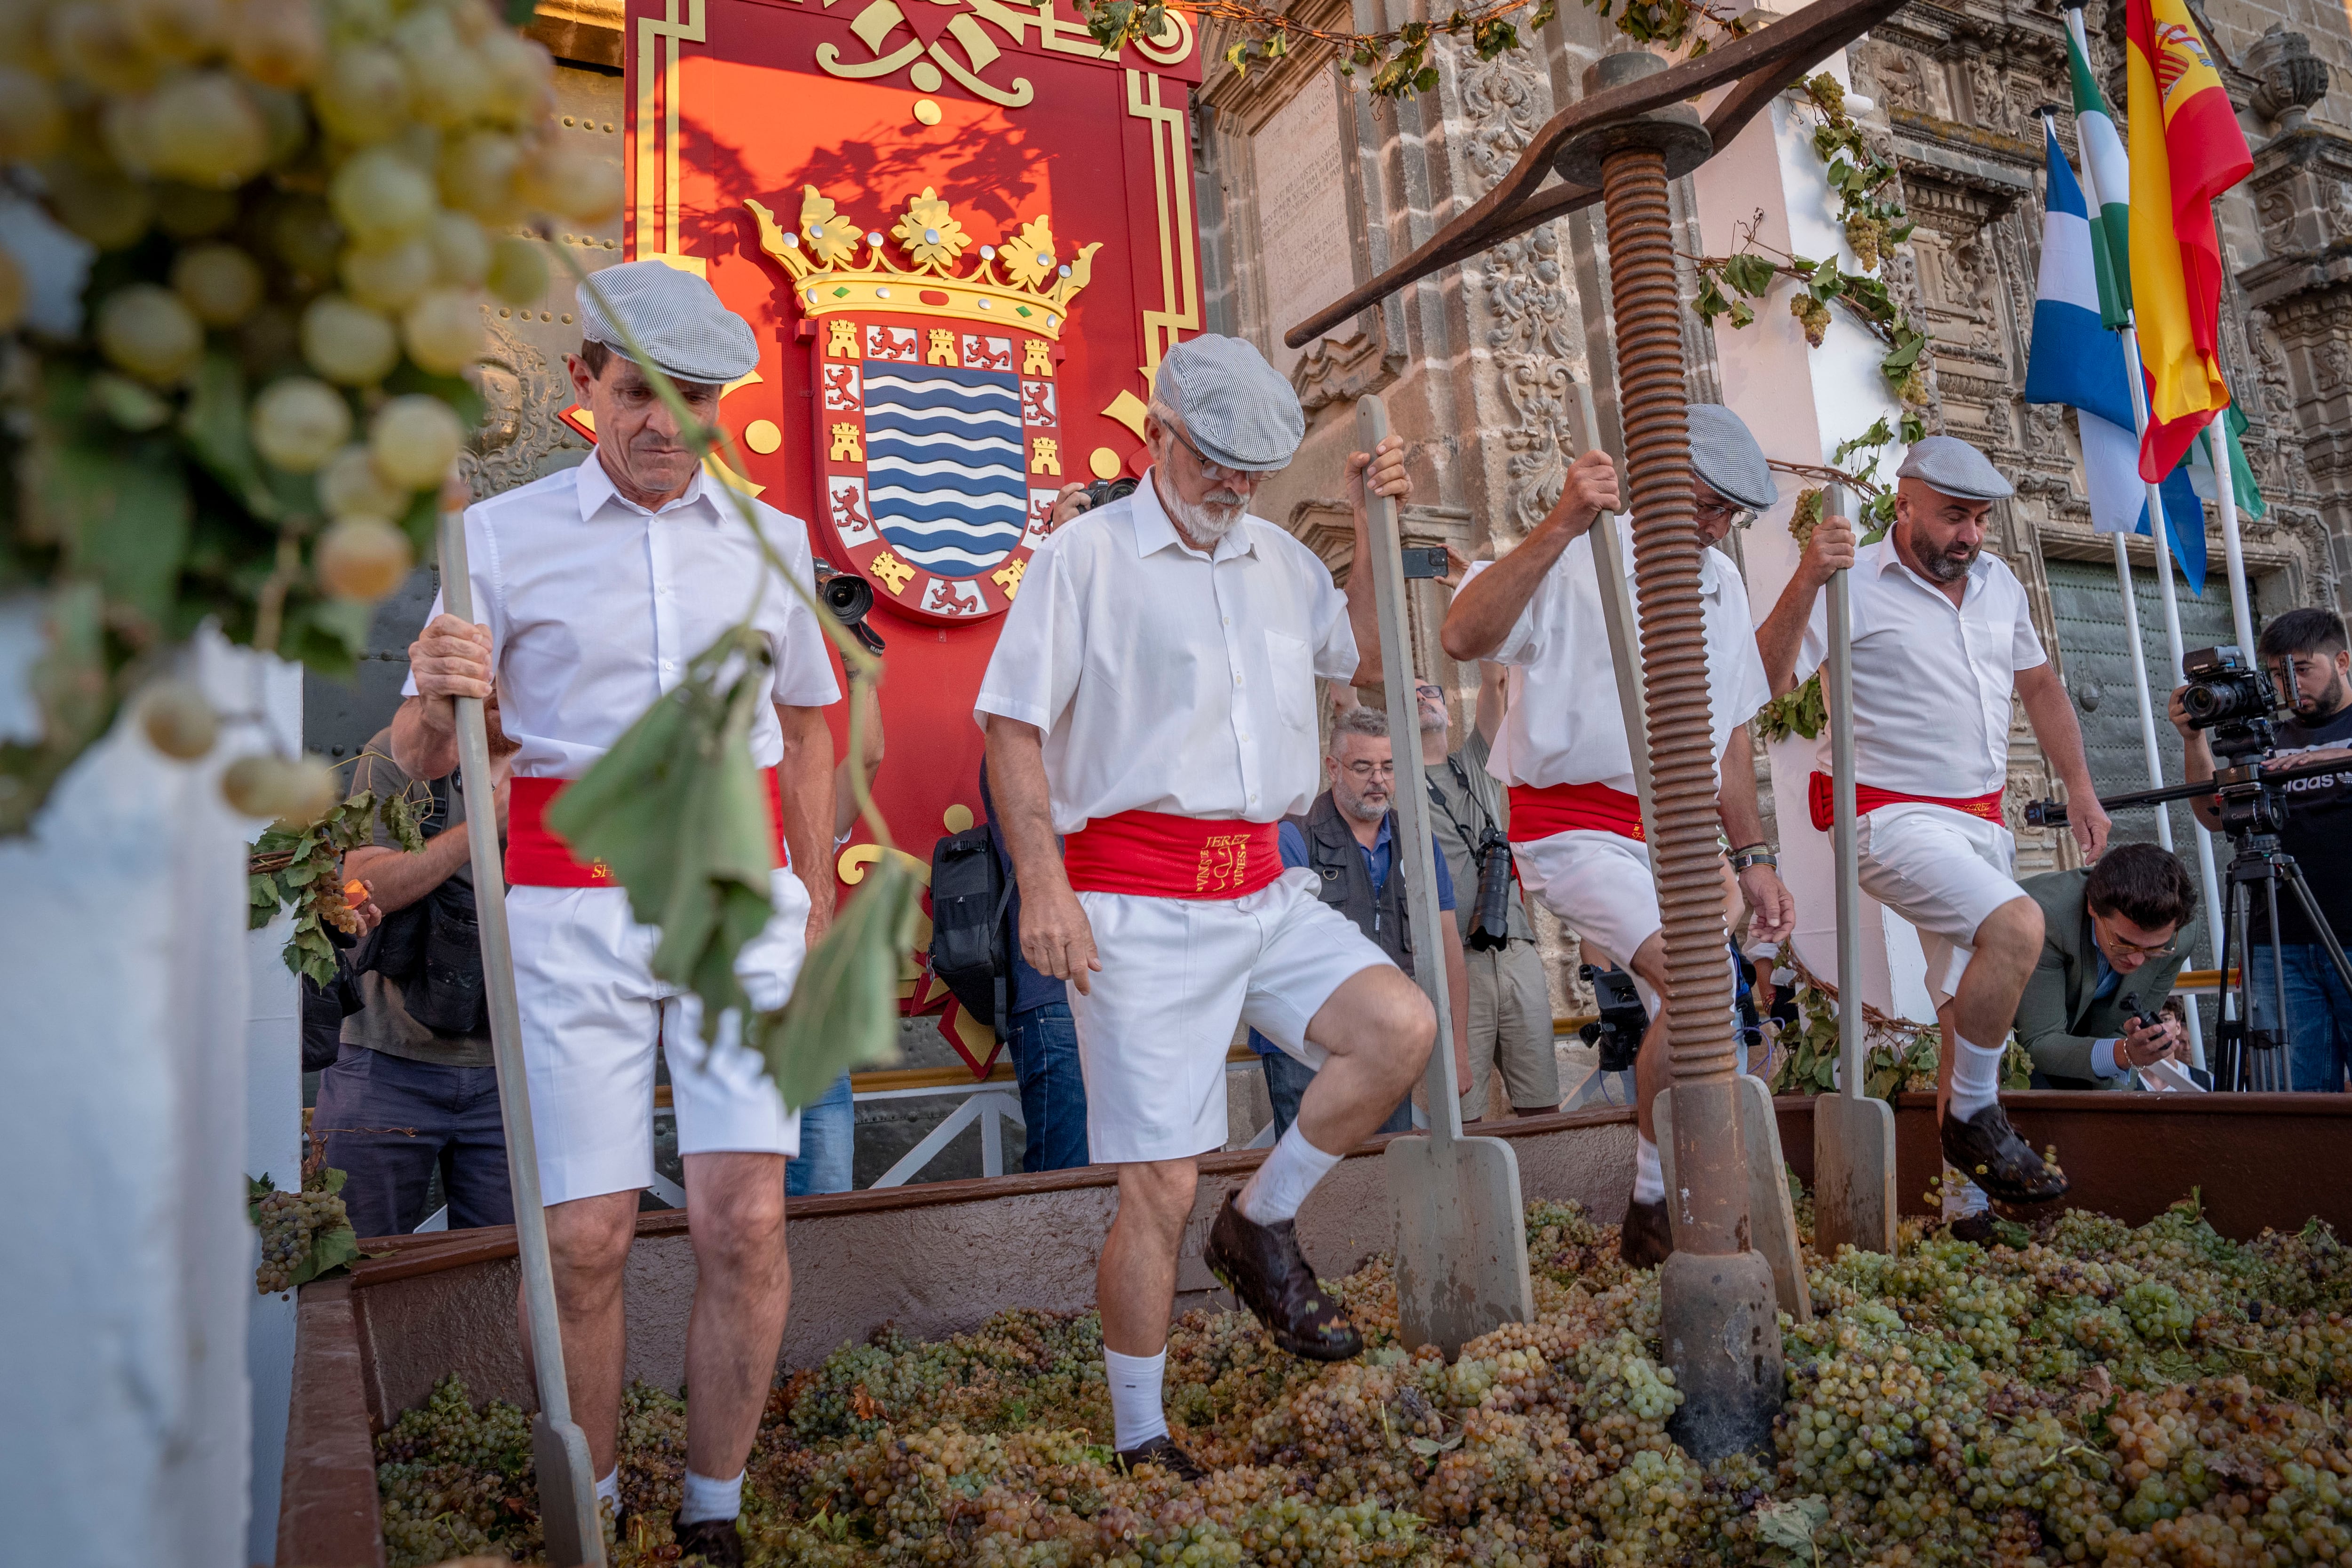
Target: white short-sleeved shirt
[[597, 606], [1565, 724], [1165, 679], [1933, 681]]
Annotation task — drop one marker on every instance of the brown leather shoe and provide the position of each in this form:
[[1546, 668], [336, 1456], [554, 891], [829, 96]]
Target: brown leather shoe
[[1645, 1239], [1987, 1150], [1975, 1228], [1262, 1266], [1163, 1452], [713, 1542]]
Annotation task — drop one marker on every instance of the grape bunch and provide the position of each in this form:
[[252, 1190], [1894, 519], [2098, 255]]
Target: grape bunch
[[289, 1222], [297, 212]]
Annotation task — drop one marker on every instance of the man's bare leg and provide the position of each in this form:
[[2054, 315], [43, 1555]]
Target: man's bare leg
[[743, 1283], [589, 1239], [1378, 1030], [1135, 1291], [1976, 1022]]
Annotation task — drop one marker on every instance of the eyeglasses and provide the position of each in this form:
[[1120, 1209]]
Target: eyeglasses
[[2136, 949], [1243, 478], [1708, 511], [1363, 769], [1428, 691]]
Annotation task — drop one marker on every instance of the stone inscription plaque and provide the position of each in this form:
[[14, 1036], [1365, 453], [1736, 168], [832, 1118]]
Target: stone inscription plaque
[[1303, 243]]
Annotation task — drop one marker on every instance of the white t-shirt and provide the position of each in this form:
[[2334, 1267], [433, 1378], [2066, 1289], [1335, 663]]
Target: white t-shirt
[[597, 606], [1165, 679], [1934, 682], [1565, 724]]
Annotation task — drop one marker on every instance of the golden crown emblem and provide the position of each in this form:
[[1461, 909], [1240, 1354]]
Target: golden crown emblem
[[1024, 282]]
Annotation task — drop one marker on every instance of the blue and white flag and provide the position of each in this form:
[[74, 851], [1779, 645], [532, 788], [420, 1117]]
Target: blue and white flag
[[2077, 361]]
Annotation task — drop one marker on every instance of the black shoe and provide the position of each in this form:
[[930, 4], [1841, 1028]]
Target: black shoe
[[712, 1541], [1987, 1150], [1262, 1266], [1163, 1452], [1645, 1239], [1976, 1227]]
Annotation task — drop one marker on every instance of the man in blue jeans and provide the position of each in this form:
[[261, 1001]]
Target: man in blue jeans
[[2310, 646], [1347, 838], [1040, 1033]]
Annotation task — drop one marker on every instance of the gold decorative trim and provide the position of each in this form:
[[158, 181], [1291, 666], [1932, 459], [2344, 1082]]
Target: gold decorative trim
[[1172, 187], [655, 229]]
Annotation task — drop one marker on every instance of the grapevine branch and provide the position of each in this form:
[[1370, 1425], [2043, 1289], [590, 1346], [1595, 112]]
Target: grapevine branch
[[1397, 60]]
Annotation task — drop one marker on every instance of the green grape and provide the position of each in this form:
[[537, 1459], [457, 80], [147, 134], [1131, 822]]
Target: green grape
[[363, 557], [98, 202], [380, 197], [94, 42], [388, 277], [147, 332], [218, 282], [415, 441], [461, 250], [298, 423], [442, 330], [572, 183], [521, 78], [478, 176], [361, 95], [178, 720], [349, 487], [517, 270], [32, 122], [348, 343], [450, 83], [176, 29], [279, 43], [200, 127]]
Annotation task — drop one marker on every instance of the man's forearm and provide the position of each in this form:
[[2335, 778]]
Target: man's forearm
[[424, 737], [397, 879], [805, 776], [1486, 607], [1025, 812], [1782, 636], [1735, 798]]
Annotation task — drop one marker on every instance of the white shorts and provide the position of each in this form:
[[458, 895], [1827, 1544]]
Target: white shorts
[[1178, 976], [1601, 885], [1943, 871], [591, 1014]]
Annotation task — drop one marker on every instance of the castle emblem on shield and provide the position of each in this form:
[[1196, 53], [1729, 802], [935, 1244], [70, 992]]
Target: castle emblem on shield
[[939, 432]]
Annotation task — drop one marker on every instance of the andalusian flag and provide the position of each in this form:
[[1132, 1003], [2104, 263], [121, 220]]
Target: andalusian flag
[[2186, 150], [2110, 171]]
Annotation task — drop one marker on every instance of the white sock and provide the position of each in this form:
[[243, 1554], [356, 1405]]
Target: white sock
[[1283, 1182], [1961, 1196], [707, 1499], [609, 1488], [1649, 1174], [1976, 1079], [1134, 1412]]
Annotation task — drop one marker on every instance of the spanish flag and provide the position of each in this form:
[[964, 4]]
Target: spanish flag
[[2186, 150]]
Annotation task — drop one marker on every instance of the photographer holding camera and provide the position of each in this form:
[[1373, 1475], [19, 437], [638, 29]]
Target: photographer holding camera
[[2308, 654]]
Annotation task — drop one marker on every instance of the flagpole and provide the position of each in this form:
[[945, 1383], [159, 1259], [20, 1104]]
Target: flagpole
[[2207, 874], [2225, 490]]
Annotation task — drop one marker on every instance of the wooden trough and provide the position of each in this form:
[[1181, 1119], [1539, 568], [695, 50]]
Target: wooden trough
[[942, 1258]]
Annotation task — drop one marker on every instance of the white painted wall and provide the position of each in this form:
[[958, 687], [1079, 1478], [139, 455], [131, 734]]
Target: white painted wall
[[124, 964], [1802, 401]]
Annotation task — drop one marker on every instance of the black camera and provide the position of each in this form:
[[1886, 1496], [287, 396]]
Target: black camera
[[1490, 924], [2231, 698], [851, 599], [1103, 492], [1624, 1018]]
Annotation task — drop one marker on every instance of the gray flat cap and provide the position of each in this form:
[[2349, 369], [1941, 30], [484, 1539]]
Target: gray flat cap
[[1238, 409], [1950, 466], [676, 316], [1726, 455]]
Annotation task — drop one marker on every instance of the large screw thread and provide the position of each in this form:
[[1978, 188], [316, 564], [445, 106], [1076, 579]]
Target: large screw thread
[[1710, 1201]]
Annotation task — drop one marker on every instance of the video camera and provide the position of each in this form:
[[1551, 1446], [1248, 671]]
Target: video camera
[[2231, 699], [851, 599]]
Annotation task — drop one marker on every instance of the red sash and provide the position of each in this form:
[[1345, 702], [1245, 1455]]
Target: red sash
[[1162, 856], [1823, 807], [1538, 813], [537, 855]]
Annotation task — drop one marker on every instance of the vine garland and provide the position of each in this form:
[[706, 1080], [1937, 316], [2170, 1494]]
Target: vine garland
[[1898, 1055], [298, 866], [1396, 62]]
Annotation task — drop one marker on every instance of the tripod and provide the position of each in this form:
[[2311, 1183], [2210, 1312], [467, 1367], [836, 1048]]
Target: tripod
[[2252, 812]]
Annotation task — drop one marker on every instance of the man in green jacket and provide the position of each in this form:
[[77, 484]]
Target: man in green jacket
[[2110, 949]]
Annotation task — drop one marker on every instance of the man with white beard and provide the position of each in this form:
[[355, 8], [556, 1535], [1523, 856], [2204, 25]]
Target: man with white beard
[[1152, 703]]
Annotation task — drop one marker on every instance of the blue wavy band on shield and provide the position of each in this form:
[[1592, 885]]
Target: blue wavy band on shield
[[944, 467]]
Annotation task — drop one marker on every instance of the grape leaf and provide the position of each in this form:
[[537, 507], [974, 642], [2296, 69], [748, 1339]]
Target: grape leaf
[[843, 1009]]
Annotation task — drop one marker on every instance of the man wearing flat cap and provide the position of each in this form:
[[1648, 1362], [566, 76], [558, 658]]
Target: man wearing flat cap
[[1576, 823], [598, 584], [1942, 633], [1152, 700]]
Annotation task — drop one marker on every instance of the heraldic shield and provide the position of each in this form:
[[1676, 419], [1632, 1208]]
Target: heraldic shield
[[938, 422]]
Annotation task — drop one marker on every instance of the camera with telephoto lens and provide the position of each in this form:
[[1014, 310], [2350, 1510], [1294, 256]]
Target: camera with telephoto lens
[[851, 599], [1490, 924], [2231, 698], [1103, 492], [1624, 1018]]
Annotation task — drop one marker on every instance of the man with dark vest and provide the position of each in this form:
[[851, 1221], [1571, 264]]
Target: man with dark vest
[[1347, 838]]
